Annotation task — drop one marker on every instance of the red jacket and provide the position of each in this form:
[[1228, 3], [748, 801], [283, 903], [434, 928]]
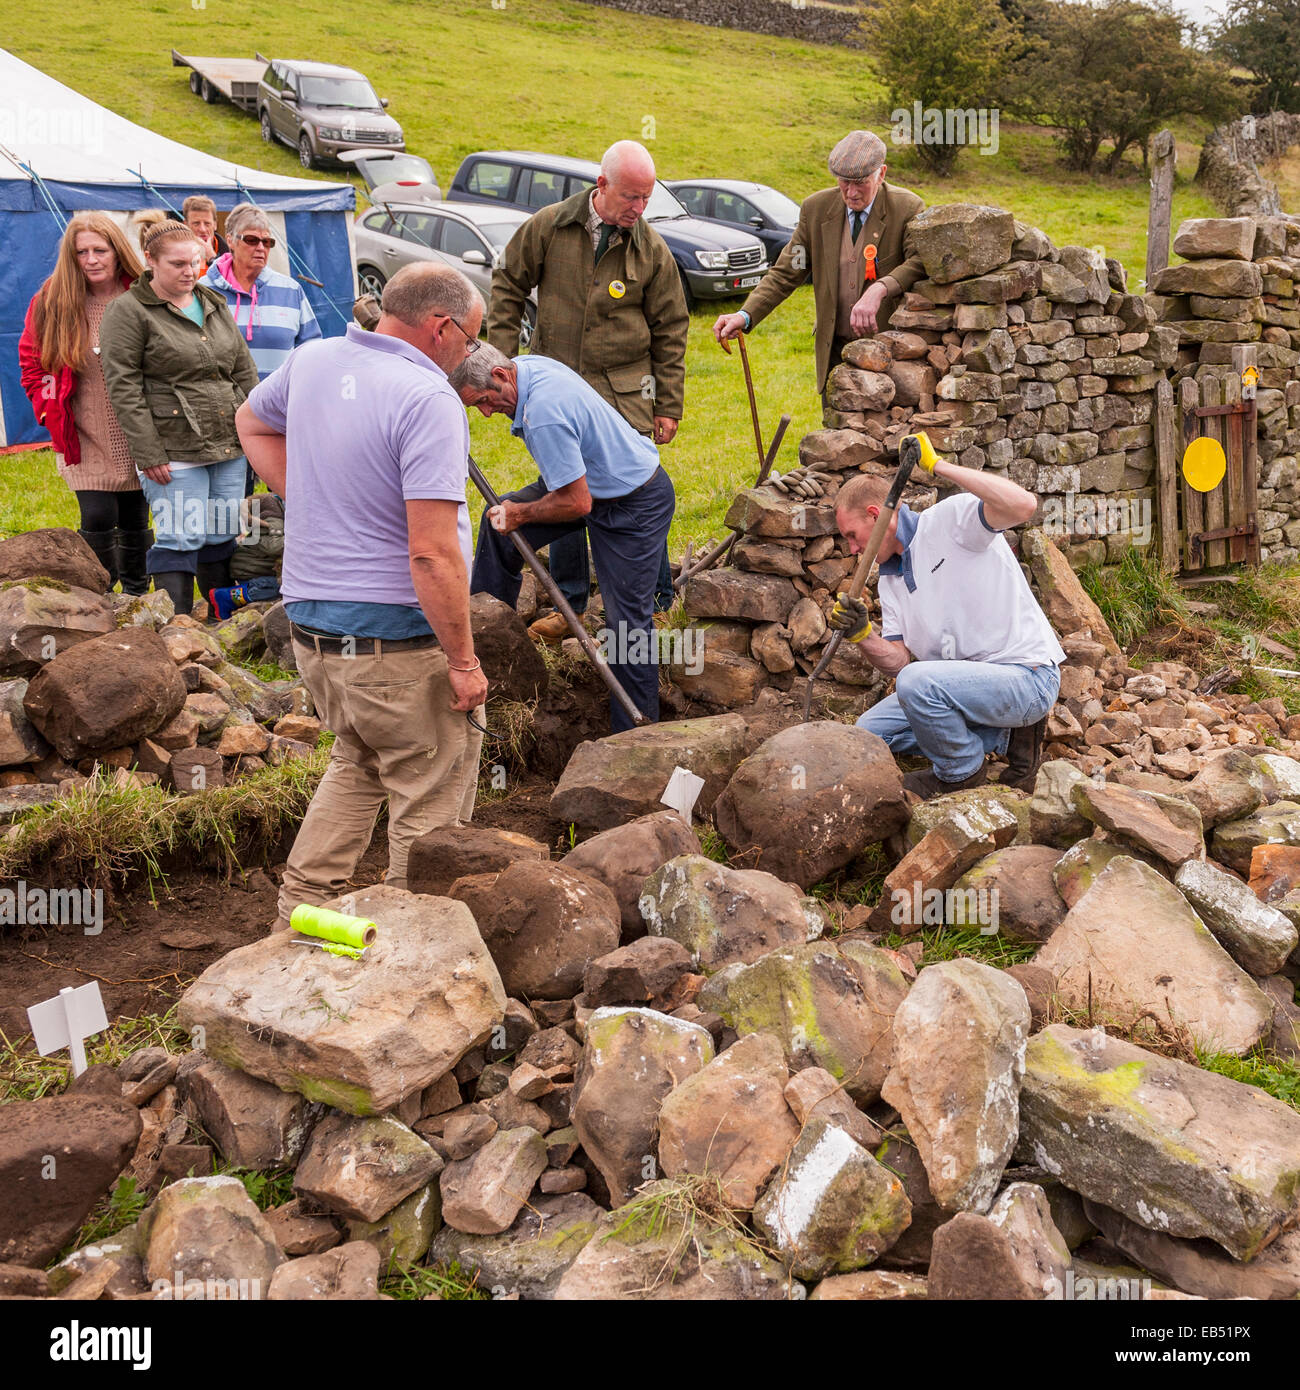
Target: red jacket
[[50, 392]]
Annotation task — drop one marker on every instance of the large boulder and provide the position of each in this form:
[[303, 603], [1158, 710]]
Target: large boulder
[[655, 1249], [1063, 597], [810, 799], [52, 553], [959, 1052], [1132, 946], [209, 1229], [1018, 882], [543, 923], [439, 857], [1228, 787], [1218, 278], [833, 1208], [722, 915], [730, 1121], [1015, 1252], [43, 617], [252, 1123], [363, 1166], [104, 693], [611, 780], [958, 240], [645, 971], [360, 1035], [531, 1256], [830, 1004], [58, 1157], [511, 662], [1053, 817], [1174, 1148], [482, 1194], [278, 637], [625, 856], [733, 593], [1163, 826], [348, 1272], [1258, 937], [631, 1059], [1230, 237]]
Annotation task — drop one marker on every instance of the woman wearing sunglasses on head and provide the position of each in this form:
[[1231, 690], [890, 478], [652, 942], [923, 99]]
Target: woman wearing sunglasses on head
[[271, 310]]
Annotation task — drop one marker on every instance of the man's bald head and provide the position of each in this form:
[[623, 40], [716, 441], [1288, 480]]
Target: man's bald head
[[857, 506], [627, 179]]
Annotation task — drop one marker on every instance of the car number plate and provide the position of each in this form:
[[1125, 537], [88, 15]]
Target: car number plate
[[750, 281]]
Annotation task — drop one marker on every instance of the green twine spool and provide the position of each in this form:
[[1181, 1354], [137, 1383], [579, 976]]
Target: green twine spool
[[327, 925]]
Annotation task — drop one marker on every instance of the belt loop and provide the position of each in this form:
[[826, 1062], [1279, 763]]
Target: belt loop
[[379, 648], [315, 638]]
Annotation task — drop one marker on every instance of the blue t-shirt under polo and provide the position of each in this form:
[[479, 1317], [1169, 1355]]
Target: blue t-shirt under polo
[[570, 429]]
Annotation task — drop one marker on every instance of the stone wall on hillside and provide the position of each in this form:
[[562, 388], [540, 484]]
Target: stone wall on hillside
[[1229, 164], [812, 22]]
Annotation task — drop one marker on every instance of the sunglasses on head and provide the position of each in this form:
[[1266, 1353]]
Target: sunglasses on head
[[250, 240]]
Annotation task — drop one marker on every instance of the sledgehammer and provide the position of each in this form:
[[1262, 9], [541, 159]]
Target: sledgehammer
[[560, 602], [909, 455]]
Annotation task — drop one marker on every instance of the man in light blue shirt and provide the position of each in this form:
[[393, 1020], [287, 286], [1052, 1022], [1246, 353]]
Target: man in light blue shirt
[[598, 474]]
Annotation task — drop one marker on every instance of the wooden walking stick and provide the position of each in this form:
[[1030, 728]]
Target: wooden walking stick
[[561, 603]]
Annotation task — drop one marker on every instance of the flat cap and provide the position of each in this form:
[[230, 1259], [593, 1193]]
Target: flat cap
[[858, 155]]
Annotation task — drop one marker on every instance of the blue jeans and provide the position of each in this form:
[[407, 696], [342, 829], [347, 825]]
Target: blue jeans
[[957, 712], [195, 516], [627, 537]]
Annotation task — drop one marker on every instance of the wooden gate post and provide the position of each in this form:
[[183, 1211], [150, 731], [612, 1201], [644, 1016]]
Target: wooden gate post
[[1167, 456], [1160, 207]]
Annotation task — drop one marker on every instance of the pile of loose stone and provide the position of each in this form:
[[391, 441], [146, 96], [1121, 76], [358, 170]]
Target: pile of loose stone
[[91, 679], [1238, 285], [96, 681], [636, 1072]]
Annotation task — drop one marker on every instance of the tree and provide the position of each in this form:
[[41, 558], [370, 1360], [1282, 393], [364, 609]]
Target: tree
[[1263, 36], [1114, 71], [940, 58]]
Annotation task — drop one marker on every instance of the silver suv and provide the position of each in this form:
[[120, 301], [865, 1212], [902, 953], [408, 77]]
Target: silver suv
[[320, 109]]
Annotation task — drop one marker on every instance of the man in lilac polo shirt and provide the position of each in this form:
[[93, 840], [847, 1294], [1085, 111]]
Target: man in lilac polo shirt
[[368, 445]]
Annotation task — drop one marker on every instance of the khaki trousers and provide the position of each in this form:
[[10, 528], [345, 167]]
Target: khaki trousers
[[396, 737]]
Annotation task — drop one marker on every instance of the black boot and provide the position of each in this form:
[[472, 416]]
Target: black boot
[[929, 784], [213, 575], [1024, 753], [104, 544], [132, 549], [178, 585]]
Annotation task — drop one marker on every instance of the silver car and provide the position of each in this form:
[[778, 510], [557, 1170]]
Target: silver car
[[469, 236]]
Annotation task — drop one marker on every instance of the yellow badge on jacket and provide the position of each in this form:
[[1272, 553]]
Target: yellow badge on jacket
[[617, 289]]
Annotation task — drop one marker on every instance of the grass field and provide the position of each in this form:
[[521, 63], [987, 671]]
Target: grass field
[[560, 76]]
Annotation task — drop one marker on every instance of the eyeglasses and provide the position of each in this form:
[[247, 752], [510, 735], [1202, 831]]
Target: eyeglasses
[[472, 345], [249, 240]]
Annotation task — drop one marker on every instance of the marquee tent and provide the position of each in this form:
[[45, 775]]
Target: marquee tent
[[62, 153]]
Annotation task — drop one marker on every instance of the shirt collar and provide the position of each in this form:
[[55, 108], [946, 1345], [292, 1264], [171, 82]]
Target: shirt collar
[[399, 347], [866, 212], [902, 564], [523, 370]]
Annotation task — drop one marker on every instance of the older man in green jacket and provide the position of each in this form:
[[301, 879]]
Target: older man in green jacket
[[851, 240], [610, 306]]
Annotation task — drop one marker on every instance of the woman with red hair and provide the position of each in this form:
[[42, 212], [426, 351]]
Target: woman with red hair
[[63, 375]]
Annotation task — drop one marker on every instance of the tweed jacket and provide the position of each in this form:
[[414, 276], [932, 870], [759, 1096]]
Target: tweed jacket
[[814, 252]]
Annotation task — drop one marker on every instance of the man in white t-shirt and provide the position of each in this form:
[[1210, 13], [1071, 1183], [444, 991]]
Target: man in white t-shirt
[[975, 662]]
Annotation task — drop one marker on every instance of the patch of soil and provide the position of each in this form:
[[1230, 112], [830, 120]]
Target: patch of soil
[[1192, 645]]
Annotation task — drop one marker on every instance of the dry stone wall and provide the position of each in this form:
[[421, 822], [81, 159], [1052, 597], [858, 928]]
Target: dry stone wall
[[1032, 361], [810, 21]]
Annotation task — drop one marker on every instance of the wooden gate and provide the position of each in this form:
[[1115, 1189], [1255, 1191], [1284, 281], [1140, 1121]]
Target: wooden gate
[[1203, 530]]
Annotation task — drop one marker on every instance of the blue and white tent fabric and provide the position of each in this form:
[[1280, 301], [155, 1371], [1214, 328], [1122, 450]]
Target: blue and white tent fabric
[[62, 153]]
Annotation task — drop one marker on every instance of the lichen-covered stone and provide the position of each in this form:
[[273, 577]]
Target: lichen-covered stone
[[1177, 1149], [1258, 937]]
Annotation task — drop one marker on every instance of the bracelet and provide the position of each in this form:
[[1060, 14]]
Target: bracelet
[[477, 666]]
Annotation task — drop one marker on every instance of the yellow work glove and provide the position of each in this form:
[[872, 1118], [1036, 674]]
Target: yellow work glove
[[849, 616], [924, 457]]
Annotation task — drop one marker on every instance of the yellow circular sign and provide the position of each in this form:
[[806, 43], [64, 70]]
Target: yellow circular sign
[[1204, 464], [617, 289]]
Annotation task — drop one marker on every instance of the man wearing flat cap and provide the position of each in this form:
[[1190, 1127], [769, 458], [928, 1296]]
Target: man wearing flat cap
[[851, 242]]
